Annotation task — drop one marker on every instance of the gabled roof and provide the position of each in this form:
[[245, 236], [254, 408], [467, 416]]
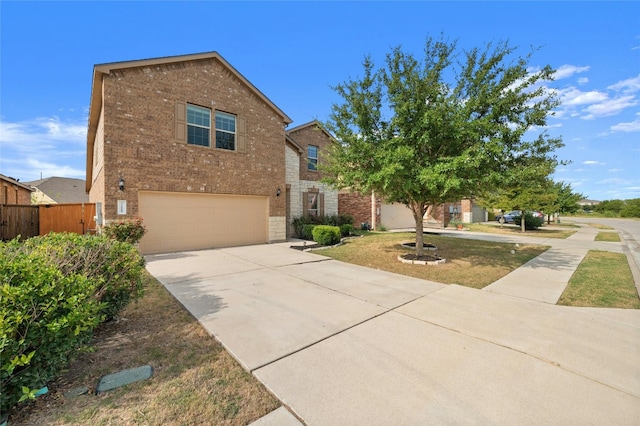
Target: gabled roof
[[13, 181], [100, 70], [62, 190], [293, 143], [310, 124]]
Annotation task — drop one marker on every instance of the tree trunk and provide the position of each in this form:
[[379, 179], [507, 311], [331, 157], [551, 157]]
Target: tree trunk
[[522, 221], [418, 209]]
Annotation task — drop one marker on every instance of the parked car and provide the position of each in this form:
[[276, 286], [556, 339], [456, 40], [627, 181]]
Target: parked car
[[510, 217]]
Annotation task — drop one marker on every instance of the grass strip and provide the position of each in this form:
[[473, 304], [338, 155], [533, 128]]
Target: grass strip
[[603, 279], [195, 380], [600, 226], [471, 263], [612, 237], [516, 231]]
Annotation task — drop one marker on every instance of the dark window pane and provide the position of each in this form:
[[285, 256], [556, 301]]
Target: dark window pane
[[225, 140], [198, 136]]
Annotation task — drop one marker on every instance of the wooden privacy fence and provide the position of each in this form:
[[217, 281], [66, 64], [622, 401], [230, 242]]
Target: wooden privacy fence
[[18, 220], [29, 221]]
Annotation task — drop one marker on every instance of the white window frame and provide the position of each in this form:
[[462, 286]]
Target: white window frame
[[189, 124], [234, 132], [312, 162]]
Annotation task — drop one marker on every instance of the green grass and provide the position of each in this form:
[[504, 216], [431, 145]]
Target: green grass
[[472, 263], [612, 237], [603, 279], [515, 230], [599, 226]]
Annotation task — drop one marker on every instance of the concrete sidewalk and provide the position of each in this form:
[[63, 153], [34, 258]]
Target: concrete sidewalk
[[340, 344], [545, 277]]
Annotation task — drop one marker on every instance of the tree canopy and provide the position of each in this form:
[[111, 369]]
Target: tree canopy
[[449, 126]]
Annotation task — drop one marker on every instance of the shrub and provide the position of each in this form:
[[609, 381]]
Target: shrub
[[117, 268], [337, 220], [127, 231], [55, 290], [326, 235], [301, 230], [530, 221], [346, 229], [307, 232], [46, 316]]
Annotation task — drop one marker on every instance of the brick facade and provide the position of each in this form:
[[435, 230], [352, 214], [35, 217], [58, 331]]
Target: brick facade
[[136, 136], [359, 206], [14, 192], [300, 179]]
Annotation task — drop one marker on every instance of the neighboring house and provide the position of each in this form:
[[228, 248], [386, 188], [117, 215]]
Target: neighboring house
[[585, 202], [306, 195], [58, 190], [188, 144], [374, 212], [14, 192]]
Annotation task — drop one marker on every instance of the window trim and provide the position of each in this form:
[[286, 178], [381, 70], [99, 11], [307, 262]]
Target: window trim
[[234, 133], [201, 108]]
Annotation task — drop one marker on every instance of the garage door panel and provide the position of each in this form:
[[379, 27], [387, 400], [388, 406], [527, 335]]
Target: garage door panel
[[178, 222], [396, 216]]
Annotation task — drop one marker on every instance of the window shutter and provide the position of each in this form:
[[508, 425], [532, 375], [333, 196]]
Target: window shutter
[[305, 203], [320, 204], [242, 134], [181, 121]]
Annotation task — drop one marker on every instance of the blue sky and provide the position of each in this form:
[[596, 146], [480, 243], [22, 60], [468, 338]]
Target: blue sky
[[295, 51]]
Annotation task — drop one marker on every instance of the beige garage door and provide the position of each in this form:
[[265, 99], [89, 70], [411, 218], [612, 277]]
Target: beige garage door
[[396, 216], [177, 221]]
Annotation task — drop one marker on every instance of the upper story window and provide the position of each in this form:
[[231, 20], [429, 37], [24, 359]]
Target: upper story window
[[198, 125], [312, 158], [225, 131]]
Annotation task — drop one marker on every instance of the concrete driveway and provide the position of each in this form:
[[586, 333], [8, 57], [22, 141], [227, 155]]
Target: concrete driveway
[[340, 344]]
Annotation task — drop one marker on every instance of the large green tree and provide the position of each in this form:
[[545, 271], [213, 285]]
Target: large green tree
[[450, 126]]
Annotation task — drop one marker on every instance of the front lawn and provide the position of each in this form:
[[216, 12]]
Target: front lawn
[[472, 263]]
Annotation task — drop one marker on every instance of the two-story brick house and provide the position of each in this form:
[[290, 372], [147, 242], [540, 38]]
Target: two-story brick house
[[191, 146]]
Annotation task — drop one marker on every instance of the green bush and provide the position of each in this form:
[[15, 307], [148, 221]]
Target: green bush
[[338, 220], [117, 268], [530, 221], [301, 230], [55, 290], [46, 316], [127, 231], [326, 235], [346, 229], [307, 232]]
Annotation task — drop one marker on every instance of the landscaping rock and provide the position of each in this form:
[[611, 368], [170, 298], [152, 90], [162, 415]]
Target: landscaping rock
[[122, 378], [75, 392]]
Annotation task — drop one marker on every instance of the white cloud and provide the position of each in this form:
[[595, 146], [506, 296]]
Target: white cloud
[[565, 71], [609, 107], [43, 147], [573, 96], [630, 85], [583, 80], [592, 163], [615, 170], [631, 126], [616, 181], [42, 129]]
